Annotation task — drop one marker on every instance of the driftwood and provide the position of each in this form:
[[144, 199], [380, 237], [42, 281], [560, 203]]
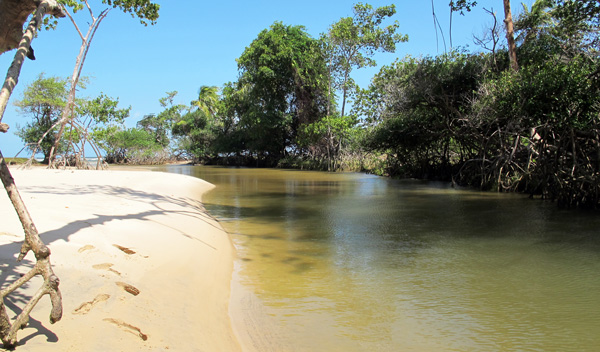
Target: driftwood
[[11, 12]]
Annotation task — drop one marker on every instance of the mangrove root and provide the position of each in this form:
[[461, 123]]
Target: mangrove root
[[8, 329]]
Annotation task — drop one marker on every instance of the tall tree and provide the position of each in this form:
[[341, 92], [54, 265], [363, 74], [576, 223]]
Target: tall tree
[[93, 115], [43, 100], [284, 77], [352, 41], [145, 10]]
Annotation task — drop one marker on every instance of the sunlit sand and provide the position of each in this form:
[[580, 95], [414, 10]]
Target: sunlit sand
[[142, 266]]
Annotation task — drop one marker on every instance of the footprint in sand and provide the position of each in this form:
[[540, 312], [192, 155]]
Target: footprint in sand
[[129, 288], [128, 328], [85, 307], [125, 249], [87, 247], [106, 266], [128, 251]]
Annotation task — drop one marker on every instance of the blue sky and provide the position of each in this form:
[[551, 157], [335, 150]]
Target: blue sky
[[196, 43]]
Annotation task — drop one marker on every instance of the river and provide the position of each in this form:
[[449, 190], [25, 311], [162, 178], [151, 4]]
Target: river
[[355, 262]]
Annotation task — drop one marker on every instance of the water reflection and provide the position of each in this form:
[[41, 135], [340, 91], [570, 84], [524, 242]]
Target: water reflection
[[351, 262]]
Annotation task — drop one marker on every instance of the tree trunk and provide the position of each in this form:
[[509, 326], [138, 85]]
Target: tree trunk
[[13, 14], [8, 331], [344, 92], [510, 36]]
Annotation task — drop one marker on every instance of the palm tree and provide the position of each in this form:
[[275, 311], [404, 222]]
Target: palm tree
[[208, 97], [532, 23]]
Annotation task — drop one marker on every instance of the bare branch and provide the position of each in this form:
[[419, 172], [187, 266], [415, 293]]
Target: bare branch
[[76, 26]]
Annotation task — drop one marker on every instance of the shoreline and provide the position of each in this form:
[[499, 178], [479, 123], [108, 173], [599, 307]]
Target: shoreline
[[182, 262], [254, 328]]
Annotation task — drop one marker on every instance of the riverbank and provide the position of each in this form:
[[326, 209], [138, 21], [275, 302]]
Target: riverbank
[[110, 231]]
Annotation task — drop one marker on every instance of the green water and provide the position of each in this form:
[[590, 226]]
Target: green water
[[353, 262]]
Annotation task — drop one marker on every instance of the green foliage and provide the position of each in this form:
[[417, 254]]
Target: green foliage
[[283, 85], [330, 127], [160, 125], [102, 110], [456, 117], [352, 41], [462, 5], [134, 145], [356, 39], [553, 110], [157, 127], [196, 134], [147, 143], [43, 100], [93, 117], [326, 138], [577, 18], [229, 138], [417, 107], [197, 129], [145, 10], [571, 26], [208, 98]]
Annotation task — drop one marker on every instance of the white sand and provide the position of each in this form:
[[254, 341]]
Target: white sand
[[182, 263]]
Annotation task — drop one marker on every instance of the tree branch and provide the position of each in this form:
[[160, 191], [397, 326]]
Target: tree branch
[[83, 39]]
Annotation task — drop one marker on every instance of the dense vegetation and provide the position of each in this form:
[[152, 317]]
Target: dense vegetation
[[472, 118]]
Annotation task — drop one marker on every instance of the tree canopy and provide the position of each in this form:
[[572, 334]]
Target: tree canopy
[[352, 41], [466, 118], [44, 101], [283, 84]]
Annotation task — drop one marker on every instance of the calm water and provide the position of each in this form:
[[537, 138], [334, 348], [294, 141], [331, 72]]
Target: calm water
[[352, 262]]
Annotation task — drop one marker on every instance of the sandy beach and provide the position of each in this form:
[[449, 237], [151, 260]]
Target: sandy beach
[[110, 231]]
